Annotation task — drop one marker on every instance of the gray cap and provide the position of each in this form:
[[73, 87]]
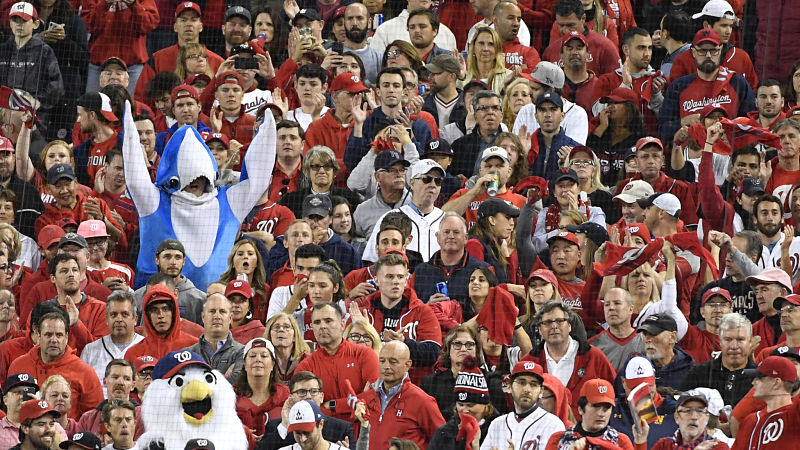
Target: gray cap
[[238, 11], [549, 74], [73, 238], [317, 205], [444, 63]]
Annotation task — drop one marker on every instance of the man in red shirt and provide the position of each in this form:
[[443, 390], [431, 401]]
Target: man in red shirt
[[298, 234], [188, 25], [229, 117], [571, 17], [288, 170], [700, 342], [769, 286], [769, 101], [579, 83], [113, 190], [507, 20], [495, 168], [718, 15], [336, 360], [565, 254], [96, 119], [785, 172], [778, 425]]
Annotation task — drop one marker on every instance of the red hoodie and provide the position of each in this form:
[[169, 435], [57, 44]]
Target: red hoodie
[[53, 215], [154, 344], [12, 349], [84, 384], [46, 290], [119, 30]]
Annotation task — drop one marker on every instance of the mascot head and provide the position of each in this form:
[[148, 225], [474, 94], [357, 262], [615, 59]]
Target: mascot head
[[187, 399], [186, 158]]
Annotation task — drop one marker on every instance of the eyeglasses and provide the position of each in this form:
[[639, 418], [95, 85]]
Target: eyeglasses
[[95, 243], [393, 171], [692, 412], [197, 56], [707, 51], [356, 338], [495, 108], [411, 85], [317, 167], [146, 375], [715, 305], [393, 53], [582, 163], [7, 268], [788, 309], [427, 179], [307, 392], [459, 345], [550, 323]]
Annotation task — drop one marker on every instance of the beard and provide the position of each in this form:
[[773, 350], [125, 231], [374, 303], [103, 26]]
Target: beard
[[708, 66], [357, 35], [769, 232]]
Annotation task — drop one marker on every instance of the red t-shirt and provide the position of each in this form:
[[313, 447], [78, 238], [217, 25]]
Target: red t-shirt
[[114, 270], [520, 55], [773, 430], [97, 154], [272, 218], [780, 185], [571, 292]]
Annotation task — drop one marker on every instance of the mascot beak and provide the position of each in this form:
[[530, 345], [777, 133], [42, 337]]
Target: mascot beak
[[196, 402]]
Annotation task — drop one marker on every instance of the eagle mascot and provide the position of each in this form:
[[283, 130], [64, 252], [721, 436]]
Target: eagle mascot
[[188, 400]]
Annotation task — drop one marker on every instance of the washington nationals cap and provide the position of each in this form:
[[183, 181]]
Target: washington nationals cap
[[528, 368], [84, 439], [240, 287], [774, 366], [304, 416], [598, 391], [19, 379]]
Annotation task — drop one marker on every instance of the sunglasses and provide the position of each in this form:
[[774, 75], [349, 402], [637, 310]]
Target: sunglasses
[[427, 179]]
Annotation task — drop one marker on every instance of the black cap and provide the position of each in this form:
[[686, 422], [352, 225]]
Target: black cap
[[629, 153], [84, 439], [317, 205], [199, 444], [437, 147], [551, 97], [658, 323], [58, 172], [113, 60], [388, 158], [595, 232], [752, 186], [786, 352], [73, 238], [170, 244], [309, 13], [563, 173], [238, 11], [19, 379], [492, 206]]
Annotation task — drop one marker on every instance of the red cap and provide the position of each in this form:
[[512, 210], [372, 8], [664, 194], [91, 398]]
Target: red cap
[[159, 292], [543, 274], [6, 145], [621, 95], [717, 291], [649, 140], [24, 10], [581, 148], [706, 35], [598, 391], [240, 287], [348, 82], [188, 5], [228, 77], [772, 366], [198, 76], [711, 107], [144, 362], [528, 368], [50, 235], [338, 13], [641, 230], [792, 299], [574, 35], [565, 235], [207, 137], [35, 408], [184, 91]]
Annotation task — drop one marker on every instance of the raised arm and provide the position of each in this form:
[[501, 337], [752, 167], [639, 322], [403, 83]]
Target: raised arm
[[258, 161], [142, 191], [25, 166]]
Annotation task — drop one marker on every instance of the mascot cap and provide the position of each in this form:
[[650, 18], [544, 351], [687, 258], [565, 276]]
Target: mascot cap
[[304, 416], [172, 362]]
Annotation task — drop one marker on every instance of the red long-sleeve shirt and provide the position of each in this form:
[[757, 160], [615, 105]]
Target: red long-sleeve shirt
[[119, 30]]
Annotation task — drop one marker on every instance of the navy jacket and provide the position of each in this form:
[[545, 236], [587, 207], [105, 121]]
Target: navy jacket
[[430, 107], [163, 137], [538, 168], [429, 273], [376, 121], [675, 372]]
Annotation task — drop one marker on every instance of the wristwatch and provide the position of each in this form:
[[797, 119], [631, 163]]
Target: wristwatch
[[332, 406]]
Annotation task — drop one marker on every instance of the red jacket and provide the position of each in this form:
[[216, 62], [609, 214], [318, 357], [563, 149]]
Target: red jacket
[[538, 16], [90, 420], [358, 276], [604, 54], [520, 55], [255, 416], [46, 290], [767, 333], [411, 415], [247, 332], [352, 362], [119, 30], [166, 59], [53, 215], [92, 313], [677, 188], [12, 349], [418, 324], [609, 32], [699, 343], [241, 129], [86, 390], [590, 363], [582, 93], [155, 345], [735, 59], [329, 132]]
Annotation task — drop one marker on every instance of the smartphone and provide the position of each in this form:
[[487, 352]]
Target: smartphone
[[245, 63], [337, 47], [54, 26]]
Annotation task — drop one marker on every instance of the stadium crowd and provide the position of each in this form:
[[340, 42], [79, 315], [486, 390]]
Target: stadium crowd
[[444, 224]]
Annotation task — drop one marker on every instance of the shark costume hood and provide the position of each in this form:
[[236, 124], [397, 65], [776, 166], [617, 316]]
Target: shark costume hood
[[206, 224]]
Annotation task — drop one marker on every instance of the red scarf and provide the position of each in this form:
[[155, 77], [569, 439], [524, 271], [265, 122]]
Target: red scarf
[[740, 132], [534, 151], [553, 216], [621, 260]]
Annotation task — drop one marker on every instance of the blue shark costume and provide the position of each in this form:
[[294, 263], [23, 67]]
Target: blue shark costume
[[207, 224]]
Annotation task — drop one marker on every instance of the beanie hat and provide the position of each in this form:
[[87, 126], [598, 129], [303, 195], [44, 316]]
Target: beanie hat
[[470, 384]]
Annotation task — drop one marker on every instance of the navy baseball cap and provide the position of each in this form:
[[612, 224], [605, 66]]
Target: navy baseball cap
[[172, 362], [437, 147], [551, 97], [388, 158]]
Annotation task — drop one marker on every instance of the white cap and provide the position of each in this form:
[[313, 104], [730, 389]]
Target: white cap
[[549, 74], [634, 190], [639, 367], [715, 403], [424, 166], [498, 152], [663, 200], [304, 416], [716, 8]]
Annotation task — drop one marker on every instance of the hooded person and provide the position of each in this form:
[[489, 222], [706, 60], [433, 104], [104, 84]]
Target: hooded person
[[165, 335], [560, 401], [185, 204]]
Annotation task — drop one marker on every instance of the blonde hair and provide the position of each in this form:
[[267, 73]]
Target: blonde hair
[[12, 241], [509, 116], [369, 329], [499, 60], [300, 346], [51, 380], [655, 292], [180, 63], [573, 216], [594, 182]]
